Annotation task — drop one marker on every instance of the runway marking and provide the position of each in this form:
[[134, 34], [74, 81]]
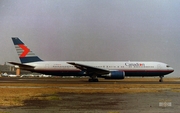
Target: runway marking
[[98, 88], [82, 88], [20, 87], [153, 88], [51, 87]]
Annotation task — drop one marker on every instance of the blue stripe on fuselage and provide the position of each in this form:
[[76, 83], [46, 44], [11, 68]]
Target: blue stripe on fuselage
[[82, 73]]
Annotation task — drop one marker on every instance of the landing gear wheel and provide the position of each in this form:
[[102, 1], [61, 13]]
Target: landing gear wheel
[[93, 80], [90, 80], [96, 80], [160, 80]]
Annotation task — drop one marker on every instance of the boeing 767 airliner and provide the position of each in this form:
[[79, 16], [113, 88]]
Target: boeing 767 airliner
[[93, 69]]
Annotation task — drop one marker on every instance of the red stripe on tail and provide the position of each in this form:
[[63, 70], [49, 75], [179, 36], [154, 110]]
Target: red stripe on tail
[[25, 52]]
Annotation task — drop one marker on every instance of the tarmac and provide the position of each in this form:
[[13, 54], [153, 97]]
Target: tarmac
[[165, 101]]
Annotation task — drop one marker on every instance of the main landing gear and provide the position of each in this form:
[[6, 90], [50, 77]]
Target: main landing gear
[[161, 78], [93, 79]]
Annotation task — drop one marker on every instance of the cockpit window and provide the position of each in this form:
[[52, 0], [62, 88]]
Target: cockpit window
[[167, 66]]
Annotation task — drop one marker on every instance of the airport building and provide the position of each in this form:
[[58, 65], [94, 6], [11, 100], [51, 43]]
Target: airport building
[[9, 69]]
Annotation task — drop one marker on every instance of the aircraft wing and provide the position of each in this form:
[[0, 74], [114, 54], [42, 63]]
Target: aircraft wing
[[89, 69], [23, 66]]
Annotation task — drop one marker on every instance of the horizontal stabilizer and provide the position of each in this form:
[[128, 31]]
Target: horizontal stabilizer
[[21, 65]]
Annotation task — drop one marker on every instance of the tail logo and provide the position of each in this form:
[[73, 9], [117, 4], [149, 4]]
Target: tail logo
[[25, 52]]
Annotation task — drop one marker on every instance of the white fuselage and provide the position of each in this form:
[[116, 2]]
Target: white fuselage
[[130, 68]]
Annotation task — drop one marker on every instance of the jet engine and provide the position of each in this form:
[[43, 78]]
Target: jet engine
[[115, 75]]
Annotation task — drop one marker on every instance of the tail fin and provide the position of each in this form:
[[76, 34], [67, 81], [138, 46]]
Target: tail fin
[[24, 53]]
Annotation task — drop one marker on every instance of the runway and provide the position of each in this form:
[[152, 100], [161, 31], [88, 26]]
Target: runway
[[77, 95], [85, 80]]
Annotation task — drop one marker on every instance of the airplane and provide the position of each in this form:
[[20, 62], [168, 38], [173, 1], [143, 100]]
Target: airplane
[[93, 69]]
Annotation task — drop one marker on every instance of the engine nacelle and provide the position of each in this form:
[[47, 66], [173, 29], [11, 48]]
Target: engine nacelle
[[115, 75]]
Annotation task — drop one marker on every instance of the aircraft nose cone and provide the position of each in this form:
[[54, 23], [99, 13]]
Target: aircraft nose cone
[[171, 69]]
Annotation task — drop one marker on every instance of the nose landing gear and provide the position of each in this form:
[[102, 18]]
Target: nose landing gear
[[161, 78]]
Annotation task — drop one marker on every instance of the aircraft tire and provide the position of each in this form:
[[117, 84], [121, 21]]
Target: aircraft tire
[[96, 80], [93, 80], [90, 80]]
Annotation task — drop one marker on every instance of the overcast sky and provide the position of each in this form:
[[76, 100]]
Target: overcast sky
[[105, 30]]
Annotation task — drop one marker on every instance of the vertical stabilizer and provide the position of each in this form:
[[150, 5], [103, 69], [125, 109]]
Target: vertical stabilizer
[[24, 53]]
